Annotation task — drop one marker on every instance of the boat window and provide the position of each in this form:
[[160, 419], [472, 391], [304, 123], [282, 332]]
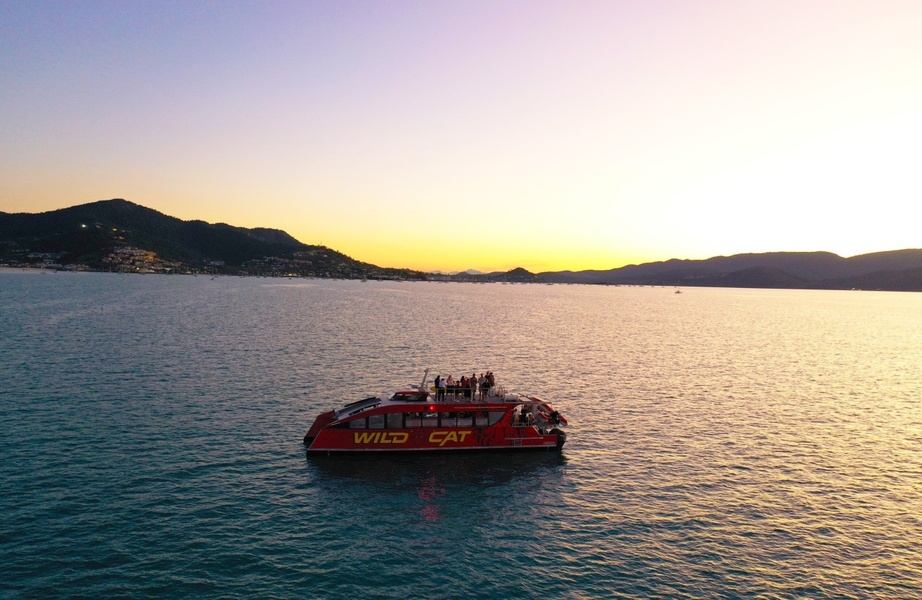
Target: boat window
[[358, 423], [480, 418], [496, 416]]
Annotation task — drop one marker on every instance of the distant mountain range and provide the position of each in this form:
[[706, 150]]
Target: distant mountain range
[[898, 270], [122, 236]]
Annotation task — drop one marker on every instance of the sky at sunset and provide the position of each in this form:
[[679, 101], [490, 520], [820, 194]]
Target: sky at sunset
[[447, 135]]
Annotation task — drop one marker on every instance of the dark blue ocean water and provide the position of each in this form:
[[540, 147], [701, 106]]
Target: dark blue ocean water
[[723, 443]]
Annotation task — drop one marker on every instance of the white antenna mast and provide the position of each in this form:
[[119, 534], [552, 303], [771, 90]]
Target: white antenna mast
[[422, 385]]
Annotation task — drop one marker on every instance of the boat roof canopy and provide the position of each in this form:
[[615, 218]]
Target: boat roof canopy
[[410, 396]]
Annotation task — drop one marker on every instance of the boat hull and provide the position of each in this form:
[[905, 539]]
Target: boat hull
[[435, 440]]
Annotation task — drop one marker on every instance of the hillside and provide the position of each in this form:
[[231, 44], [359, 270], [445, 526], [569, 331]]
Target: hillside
[[120, 235]]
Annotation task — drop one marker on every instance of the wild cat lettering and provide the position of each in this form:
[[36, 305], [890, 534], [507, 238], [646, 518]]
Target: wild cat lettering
[[441, 437], [381, 437]]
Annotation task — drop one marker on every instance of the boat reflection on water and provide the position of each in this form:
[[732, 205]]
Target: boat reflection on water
[[478, 469], [428, 486], [430, 490]]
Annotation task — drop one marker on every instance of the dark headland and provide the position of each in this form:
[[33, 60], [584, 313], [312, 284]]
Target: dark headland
[[117, 235]]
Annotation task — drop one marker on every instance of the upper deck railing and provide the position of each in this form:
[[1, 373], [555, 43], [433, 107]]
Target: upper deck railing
[[454, 393]]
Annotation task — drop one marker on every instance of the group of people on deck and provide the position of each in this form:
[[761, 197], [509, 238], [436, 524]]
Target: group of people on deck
[[466, 387]]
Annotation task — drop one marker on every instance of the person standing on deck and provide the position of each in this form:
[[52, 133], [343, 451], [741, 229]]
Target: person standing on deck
[[439, 388]]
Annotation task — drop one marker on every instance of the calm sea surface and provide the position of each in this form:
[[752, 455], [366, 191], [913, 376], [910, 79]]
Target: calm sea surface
[[722, 442]]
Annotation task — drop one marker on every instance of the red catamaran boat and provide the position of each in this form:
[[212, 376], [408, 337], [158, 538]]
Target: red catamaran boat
[[411, 420]]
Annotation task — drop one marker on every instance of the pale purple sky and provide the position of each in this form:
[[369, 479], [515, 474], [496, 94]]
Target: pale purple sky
[[485, 135]]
